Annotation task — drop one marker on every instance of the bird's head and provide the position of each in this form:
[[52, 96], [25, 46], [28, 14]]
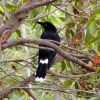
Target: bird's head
[[48, 26]]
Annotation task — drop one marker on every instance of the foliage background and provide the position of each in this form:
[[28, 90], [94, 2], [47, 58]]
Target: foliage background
[[78, 24]]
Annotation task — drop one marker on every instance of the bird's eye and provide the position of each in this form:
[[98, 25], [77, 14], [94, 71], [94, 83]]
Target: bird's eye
[[45, 24]]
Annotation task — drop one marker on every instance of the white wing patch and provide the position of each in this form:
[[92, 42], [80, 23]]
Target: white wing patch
[[45, 61]]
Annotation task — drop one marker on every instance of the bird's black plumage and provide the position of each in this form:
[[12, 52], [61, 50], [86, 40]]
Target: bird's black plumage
[[46, 57]]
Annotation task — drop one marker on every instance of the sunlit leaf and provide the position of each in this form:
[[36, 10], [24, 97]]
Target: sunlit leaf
[[93, 16], [54, 18], [92, 27], [25, 1], [1, 10], [11, 8]]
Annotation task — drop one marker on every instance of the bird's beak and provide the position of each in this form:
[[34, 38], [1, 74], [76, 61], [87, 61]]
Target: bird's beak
[[41, 23]]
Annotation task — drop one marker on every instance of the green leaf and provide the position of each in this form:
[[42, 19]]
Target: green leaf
[[76, 86], [88, 35], [98, 15], [62, 18], [1, 10], [92, 27], [68, 66], [90, 41], [97, 71], [63, 66], [72, 66], [24, 1], [67, 83], [48, 8], [11, 8], [95, 14], [38, 33], [18, 32], [53, 18]]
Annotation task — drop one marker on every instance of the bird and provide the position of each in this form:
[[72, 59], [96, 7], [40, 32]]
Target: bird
[[46, 57]]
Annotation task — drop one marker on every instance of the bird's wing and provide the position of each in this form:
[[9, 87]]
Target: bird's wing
[[47, 53]]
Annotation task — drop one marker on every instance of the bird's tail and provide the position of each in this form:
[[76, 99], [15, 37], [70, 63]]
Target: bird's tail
[[41, 70]]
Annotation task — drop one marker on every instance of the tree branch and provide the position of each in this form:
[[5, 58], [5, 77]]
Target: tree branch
[[47, 43], [15, 16], [21, 85], [5, 92]]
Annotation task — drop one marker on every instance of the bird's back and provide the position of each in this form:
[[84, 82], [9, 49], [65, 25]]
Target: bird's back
[[50, 35]]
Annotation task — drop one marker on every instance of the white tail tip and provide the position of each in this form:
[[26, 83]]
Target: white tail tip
[[39, 79]]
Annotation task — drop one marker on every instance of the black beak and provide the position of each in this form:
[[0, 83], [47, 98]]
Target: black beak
[[41, 23]]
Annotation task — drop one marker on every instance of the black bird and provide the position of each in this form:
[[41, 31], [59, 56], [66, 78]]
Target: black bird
[[46, 57]]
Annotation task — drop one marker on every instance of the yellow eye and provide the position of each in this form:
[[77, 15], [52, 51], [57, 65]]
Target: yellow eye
[[45, 24]]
